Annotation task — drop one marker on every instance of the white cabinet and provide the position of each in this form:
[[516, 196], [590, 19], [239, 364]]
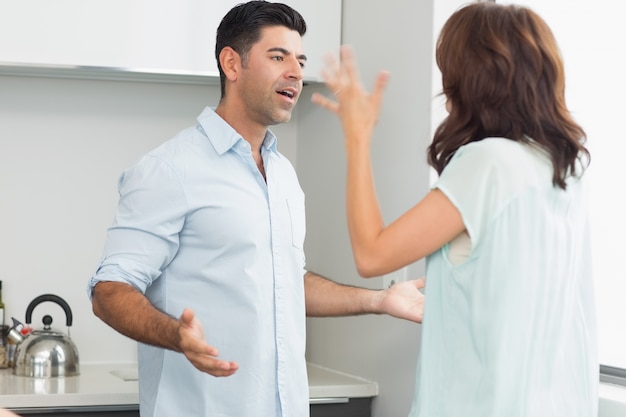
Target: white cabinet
[[162, 37]]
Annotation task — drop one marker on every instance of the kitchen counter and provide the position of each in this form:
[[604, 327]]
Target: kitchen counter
[[116, 385]]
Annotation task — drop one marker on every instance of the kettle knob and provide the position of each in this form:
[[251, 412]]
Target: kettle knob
[[47, 321]]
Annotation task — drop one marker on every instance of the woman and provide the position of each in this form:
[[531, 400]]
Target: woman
[[509, 322]]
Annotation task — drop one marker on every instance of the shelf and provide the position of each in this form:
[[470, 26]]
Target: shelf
[[114, 74], [109, 73]]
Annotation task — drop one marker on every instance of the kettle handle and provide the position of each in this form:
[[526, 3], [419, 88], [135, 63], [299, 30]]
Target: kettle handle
[[55, 299]]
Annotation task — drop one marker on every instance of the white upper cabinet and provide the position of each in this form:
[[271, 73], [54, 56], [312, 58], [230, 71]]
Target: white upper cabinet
[[138, 36]]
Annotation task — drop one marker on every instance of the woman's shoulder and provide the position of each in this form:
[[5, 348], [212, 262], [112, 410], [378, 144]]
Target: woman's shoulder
[[500, 164], [495, 146], [505, 153]]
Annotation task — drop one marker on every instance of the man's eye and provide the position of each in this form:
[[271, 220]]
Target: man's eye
[[302, 64], [277, 58]]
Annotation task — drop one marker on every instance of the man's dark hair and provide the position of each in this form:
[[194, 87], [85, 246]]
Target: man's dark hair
[[241, 28]]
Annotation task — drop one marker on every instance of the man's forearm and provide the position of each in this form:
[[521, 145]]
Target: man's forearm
[[325, 298], [129, 312]]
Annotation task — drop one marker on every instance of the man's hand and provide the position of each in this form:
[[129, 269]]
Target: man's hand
[[127, 310], [404, 300], [7, 413], [201, 355]]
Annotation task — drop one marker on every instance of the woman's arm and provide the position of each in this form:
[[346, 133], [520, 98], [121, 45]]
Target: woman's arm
[[379, 249]]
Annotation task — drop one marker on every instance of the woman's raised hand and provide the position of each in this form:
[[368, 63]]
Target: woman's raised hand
[[357, 108]]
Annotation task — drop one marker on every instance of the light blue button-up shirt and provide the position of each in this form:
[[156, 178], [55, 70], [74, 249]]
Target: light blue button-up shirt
[[198, 226]]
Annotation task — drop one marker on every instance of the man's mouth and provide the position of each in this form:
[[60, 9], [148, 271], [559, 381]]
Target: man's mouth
[[287, 93]]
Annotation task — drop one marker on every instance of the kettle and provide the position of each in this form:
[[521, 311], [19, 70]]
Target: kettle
[[44, 353]]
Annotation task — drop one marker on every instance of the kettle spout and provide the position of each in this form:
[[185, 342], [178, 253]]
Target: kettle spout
[[15, 332]]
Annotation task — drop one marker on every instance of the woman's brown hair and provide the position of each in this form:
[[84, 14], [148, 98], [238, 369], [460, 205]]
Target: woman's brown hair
[[503, 76]]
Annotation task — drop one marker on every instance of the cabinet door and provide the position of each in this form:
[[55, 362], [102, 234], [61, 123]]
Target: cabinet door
[[355, 407], [167, 36]]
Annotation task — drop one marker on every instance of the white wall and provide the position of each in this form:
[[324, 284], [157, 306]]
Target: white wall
[[396, 35]]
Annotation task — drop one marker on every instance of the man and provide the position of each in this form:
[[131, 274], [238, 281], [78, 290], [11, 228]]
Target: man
[[210, 228]]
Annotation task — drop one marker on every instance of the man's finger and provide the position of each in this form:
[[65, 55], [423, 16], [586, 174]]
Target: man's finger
[[186, 318]]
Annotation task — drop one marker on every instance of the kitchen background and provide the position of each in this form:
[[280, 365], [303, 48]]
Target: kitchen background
[[65, 141]]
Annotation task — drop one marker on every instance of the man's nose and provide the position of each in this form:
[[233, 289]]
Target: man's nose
[[295, 70]]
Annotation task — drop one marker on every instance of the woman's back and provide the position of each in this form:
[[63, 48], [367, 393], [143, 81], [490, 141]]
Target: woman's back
[[503, 329]]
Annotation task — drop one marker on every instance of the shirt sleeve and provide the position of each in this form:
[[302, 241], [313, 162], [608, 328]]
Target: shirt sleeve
[[474, 181], [144, 237]]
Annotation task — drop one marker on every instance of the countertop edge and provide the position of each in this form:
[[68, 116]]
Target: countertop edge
[[98, 386]]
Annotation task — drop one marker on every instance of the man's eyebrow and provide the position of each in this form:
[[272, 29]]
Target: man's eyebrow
[[284, 51]]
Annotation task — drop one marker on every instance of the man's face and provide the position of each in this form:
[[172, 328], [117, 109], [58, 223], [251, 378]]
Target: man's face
[[271, 80]]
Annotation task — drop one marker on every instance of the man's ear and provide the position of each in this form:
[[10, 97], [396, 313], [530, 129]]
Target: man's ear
[[230, 62]]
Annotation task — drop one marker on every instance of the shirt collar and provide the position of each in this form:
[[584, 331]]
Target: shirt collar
[[223, 137]]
